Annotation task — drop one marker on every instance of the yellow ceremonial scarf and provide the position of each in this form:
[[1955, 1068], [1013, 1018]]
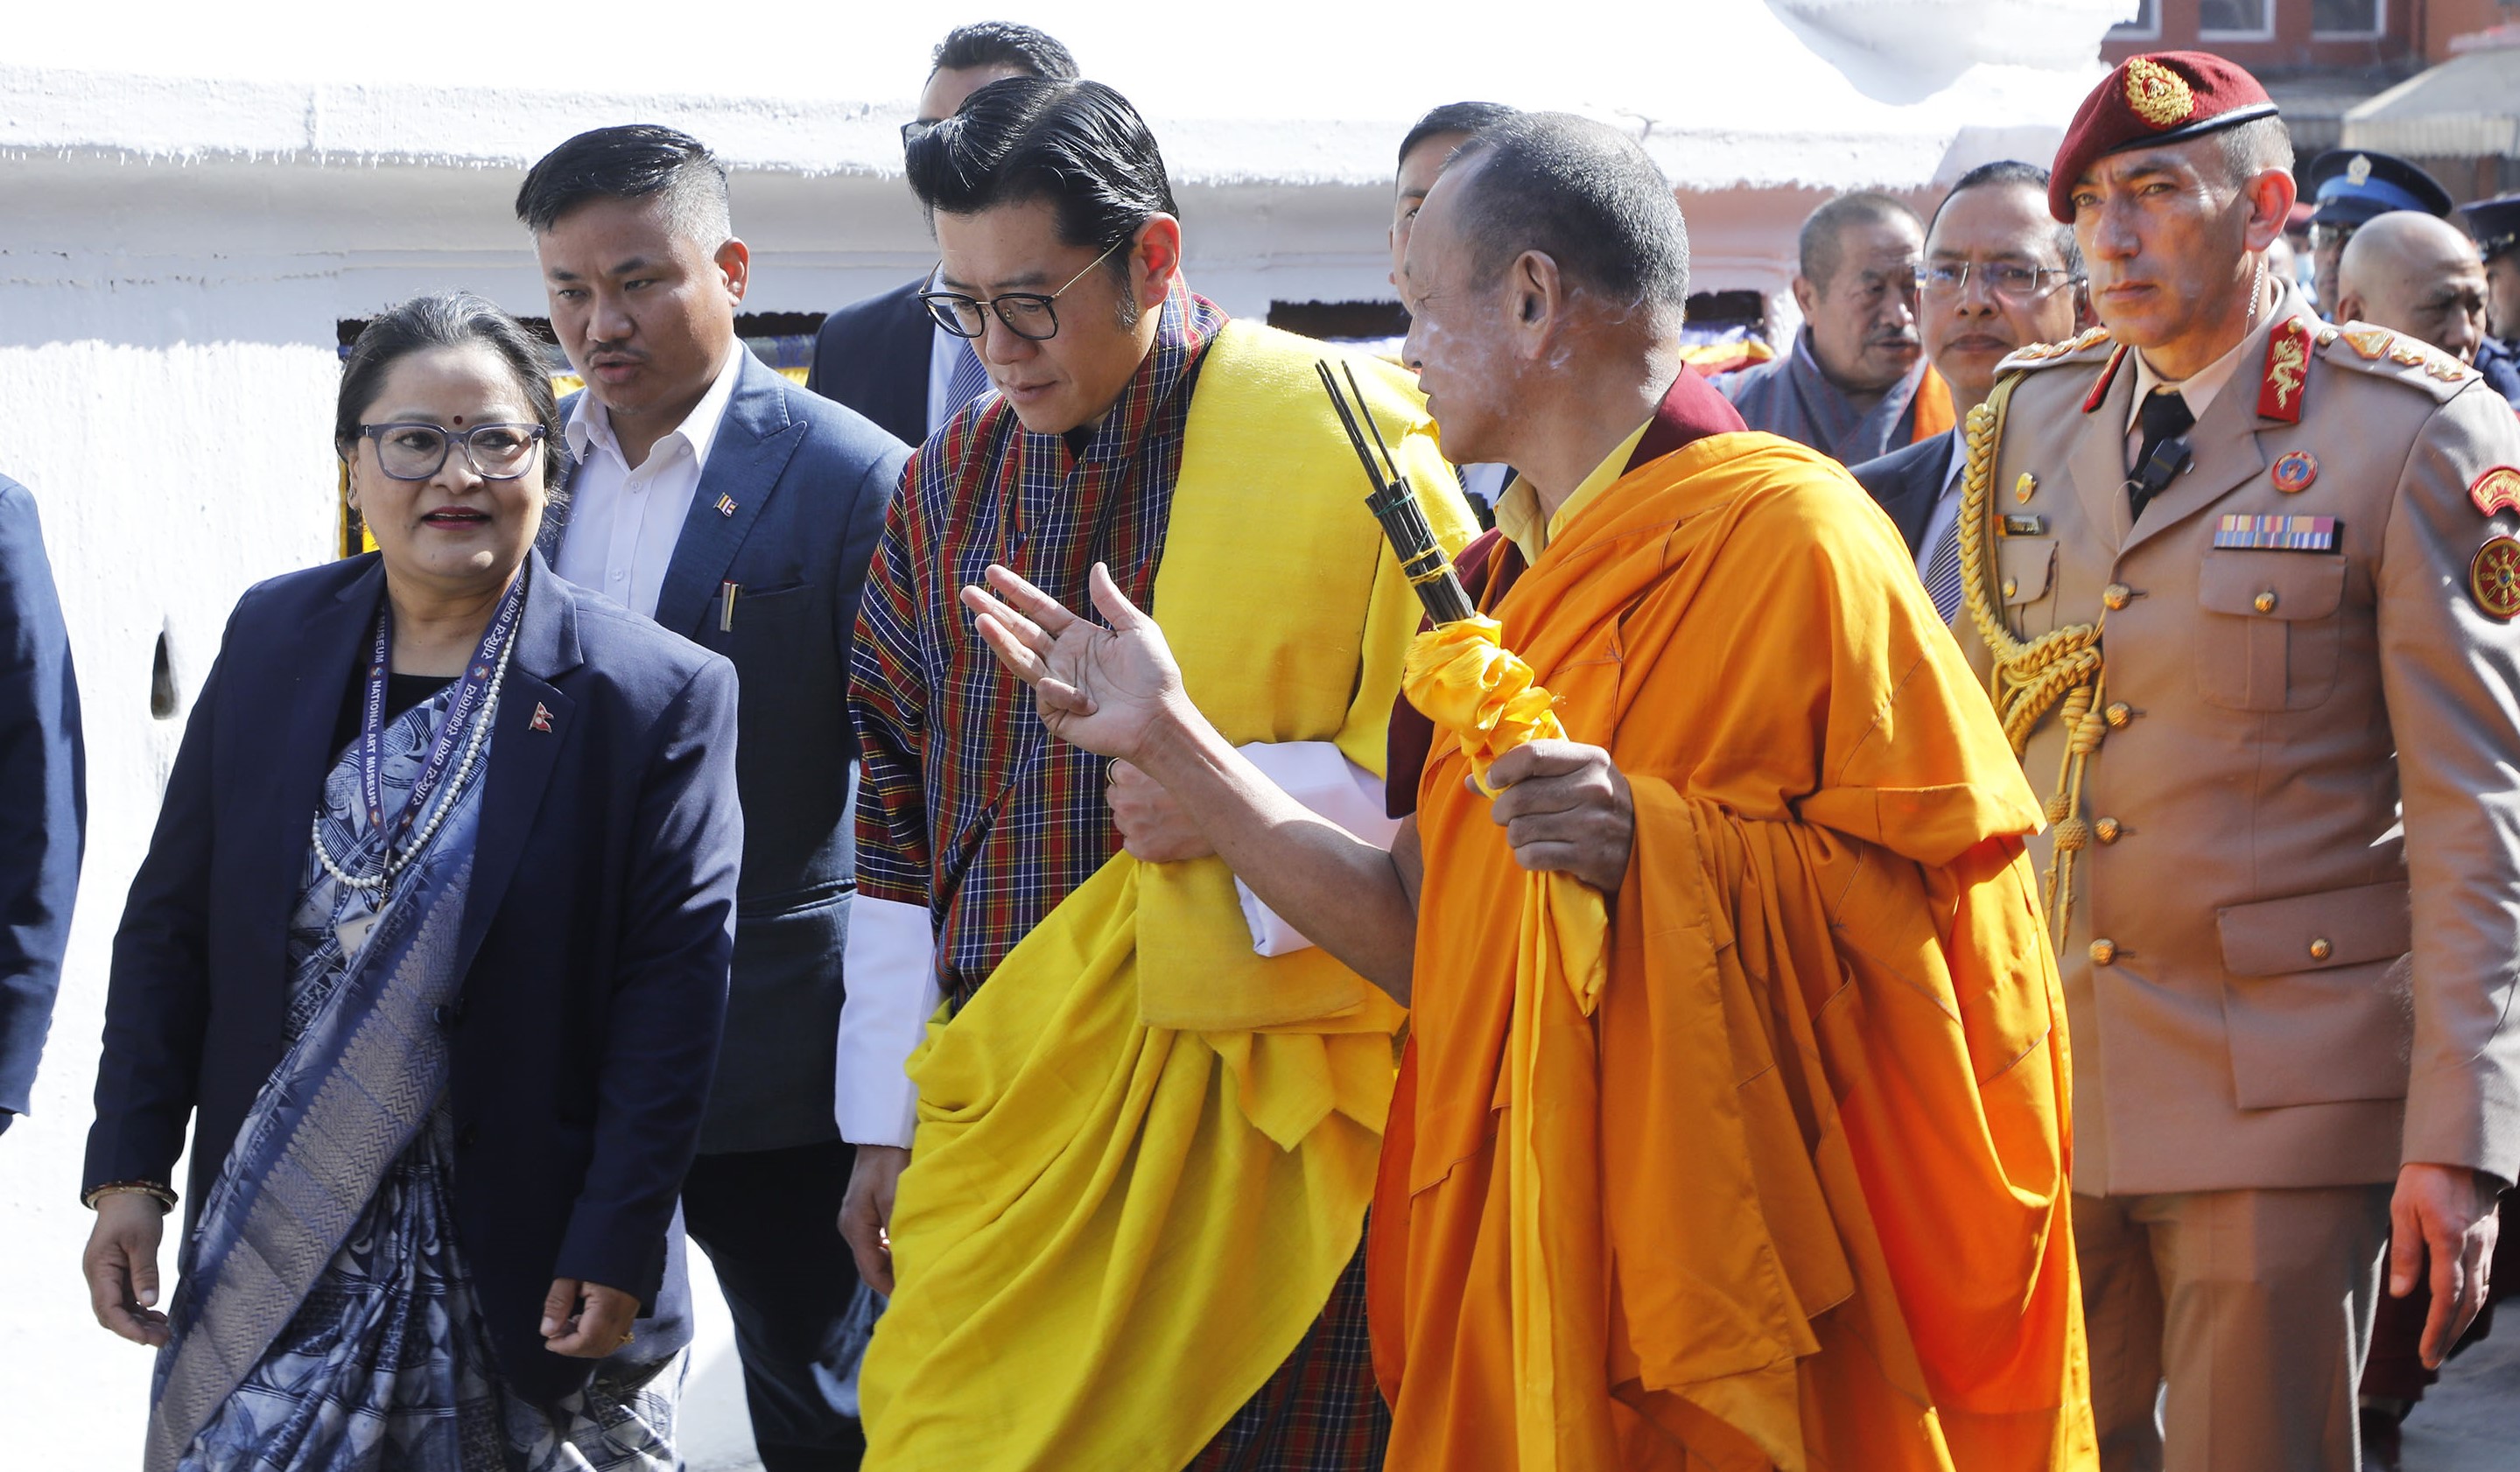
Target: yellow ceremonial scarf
[[1144, 1151]]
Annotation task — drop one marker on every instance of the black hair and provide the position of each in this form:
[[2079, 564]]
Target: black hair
[[1003, 43], [2029, 176], [1821, 246], [1078, 145], [440, 320], [1583, 194], [1454, 118], [637, 161]]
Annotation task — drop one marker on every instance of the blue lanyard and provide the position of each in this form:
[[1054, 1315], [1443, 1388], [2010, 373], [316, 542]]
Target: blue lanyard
[[468, 695]]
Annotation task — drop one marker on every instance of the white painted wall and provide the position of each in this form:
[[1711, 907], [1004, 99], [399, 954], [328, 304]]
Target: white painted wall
[[174, 254]]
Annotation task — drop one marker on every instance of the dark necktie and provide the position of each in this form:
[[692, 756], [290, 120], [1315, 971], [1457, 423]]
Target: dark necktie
[[2163, 419]]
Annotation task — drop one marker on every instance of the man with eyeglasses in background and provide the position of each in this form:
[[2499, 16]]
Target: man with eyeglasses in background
[[1856, 385], [1140, 1142], [885, 357], [709, 493], [2000, 275]]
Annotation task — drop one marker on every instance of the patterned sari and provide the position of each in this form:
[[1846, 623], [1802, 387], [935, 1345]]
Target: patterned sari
[[327, 1319]]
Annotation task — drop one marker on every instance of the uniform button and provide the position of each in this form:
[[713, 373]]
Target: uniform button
[[2320, 949], [2010, 586], [2103, 953], [2118, 713], [2109, 830], [2116, 595], [2264, 602]]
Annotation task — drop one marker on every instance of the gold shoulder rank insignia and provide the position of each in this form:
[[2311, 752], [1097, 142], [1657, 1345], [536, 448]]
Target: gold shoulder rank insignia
[[2445, 368], [2409, 354], [2370, 342]]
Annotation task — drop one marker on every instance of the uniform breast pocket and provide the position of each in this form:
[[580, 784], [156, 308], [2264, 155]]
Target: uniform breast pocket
[[2024, 566], [2268, 629]]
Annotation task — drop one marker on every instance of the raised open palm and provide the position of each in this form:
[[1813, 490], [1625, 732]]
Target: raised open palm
[[1102, 689]]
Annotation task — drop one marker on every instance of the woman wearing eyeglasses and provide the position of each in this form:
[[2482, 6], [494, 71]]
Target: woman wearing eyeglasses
[[431, 945]]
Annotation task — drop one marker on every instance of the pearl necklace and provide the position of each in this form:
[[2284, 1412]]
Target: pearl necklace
[[395, 863]]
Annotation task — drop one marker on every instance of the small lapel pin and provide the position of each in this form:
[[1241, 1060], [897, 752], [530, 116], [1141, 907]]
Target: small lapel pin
[[726, 506], [542, 718]]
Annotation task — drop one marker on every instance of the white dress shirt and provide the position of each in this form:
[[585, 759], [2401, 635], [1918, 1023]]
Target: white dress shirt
[[623, 521]]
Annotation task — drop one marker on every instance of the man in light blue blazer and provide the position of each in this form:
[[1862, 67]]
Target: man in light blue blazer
[[739, 511], [43, 795]]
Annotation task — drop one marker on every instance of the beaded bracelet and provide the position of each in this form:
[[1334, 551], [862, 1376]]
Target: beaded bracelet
[[164, 1198]]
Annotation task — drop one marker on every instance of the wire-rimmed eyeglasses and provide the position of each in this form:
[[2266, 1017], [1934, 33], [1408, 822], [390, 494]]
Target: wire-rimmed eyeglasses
[[412, 450], [1030, 315], [2011, 280]]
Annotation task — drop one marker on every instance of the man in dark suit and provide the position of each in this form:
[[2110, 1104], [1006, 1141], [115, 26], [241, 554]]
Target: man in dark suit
[[740, 511], [1999, 274], [885, 357], [43, 795]]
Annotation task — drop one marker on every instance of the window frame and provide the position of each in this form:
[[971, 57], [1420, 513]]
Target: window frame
[[2264, 33], [2379, 26]]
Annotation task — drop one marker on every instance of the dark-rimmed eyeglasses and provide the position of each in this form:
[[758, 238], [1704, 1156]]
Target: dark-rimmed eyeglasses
[[1029, 315], [2326, 233], [415, 451], [2011, 280]]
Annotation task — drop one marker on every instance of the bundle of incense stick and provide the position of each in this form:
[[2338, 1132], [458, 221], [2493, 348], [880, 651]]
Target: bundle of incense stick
[[1394, 503]]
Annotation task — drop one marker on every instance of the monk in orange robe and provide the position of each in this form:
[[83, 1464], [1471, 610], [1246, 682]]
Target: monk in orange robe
[[1770, 1167]]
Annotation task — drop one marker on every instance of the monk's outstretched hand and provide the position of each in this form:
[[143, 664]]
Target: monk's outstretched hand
[[1565, 808], [1104, 688]]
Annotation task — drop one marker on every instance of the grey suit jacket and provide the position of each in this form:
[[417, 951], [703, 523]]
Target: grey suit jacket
[[789, 507], [2268, 984]]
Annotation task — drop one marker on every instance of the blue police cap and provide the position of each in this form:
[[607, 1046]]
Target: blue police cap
[[2350, 186], [2495, 224]]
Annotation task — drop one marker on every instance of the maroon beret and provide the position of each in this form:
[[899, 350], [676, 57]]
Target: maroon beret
[[2166, 97]]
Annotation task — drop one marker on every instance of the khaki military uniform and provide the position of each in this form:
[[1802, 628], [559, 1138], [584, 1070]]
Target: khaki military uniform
[[2276, 991]]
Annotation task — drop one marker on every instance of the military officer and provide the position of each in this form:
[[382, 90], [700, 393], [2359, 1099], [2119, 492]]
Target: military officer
[[2243, 583]]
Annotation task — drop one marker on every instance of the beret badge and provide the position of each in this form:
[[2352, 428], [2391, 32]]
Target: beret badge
[[2158, 95]]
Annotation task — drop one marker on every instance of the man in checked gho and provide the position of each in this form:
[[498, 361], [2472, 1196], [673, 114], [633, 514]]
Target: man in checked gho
[[2243, 583]]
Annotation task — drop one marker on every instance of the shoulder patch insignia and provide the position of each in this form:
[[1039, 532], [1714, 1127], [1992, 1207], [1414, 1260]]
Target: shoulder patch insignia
[[2497, 490], [2370, 342], [2445, 367], [2493, 577], [2409, 354]]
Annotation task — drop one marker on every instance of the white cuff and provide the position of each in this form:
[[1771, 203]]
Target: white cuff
[[890, 974], [1317, 775]]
